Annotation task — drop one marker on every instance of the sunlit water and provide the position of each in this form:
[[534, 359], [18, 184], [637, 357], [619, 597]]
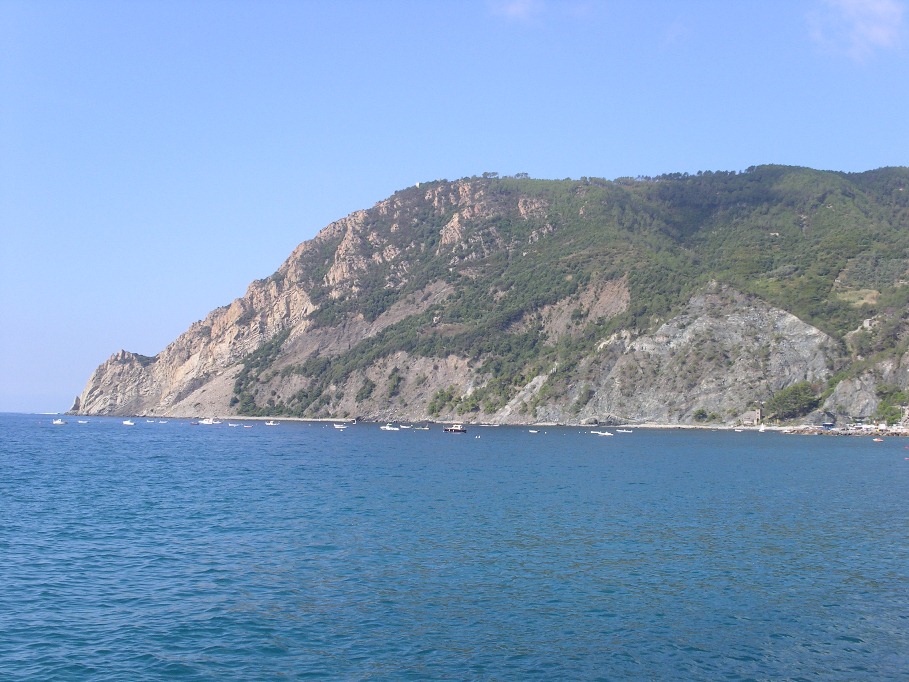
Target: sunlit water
[[163, 551]]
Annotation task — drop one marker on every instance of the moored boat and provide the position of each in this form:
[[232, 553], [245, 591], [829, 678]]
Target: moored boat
[[455, 428]]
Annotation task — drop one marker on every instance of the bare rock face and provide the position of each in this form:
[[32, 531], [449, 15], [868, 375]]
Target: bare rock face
[[723, 353], [132, 384], [179, 380], [855, 396], [122, 385]]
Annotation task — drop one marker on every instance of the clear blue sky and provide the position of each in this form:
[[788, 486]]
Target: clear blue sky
[[157, 156]]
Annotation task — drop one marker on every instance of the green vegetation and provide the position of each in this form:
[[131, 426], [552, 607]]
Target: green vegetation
[[253, 367], [443, 399], [365, 392], [395, 379], [831, 248], [795, 401], [892, 405]]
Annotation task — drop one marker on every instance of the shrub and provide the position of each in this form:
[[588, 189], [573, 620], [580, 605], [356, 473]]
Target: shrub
[[795, 401], [366, 390]]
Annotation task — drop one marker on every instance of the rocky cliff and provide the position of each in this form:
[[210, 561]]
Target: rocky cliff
[[508, 300]]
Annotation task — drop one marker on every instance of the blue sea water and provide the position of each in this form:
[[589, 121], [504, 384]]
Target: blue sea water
[[171, 551]]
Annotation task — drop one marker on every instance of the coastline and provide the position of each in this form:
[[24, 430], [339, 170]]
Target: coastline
[[877, 430]]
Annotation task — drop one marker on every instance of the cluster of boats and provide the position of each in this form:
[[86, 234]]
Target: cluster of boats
[[211, 421], [390, 426], [454, 428]]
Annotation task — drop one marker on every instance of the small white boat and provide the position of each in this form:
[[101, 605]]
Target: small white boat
[[340, 426], [421, 428], [82, 421], [533, 431], [455, 428], [406, 426], [247, 426], [162, 421], [58, 422], [128, 422], [389, 427], [209, 420], [232, 424], [601, 433], [271, 423]]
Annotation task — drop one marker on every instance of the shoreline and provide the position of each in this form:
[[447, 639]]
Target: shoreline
[[799, 429]]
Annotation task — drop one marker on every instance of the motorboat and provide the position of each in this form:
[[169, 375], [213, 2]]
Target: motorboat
[[128, 422], [601, 433], [455, 428], [389, 427], [271, 423], [58, 422], [340, 426]]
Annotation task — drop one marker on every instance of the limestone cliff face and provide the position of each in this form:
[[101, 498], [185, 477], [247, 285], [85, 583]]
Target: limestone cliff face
[[209, 349], [724, 353], [482, 301], [194, 375]]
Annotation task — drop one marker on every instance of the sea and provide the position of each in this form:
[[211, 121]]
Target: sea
[[166, 550]]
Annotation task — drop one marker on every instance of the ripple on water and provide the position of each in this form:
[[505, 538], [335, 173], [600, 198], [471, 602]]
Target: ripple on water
[[167, 551]]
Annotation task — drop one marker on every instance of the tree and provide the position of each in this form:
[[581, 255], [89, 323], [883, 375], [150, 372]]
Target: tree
[[795, 401]]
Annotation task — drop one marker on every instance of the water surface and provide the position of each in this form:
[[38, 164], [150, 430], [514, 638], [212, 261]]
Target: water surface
[[303, 551]]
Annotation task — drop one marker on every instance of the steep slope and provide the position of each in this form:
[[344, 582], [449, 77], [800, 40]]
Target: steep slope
[[665, 299]]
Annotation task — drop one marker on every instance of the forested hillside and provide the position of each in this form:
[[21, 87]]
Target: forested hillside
[[513, 299]]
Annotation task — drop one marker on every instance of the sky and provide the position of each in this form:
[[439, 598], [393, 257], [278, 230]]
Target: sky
[[156, 156]]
